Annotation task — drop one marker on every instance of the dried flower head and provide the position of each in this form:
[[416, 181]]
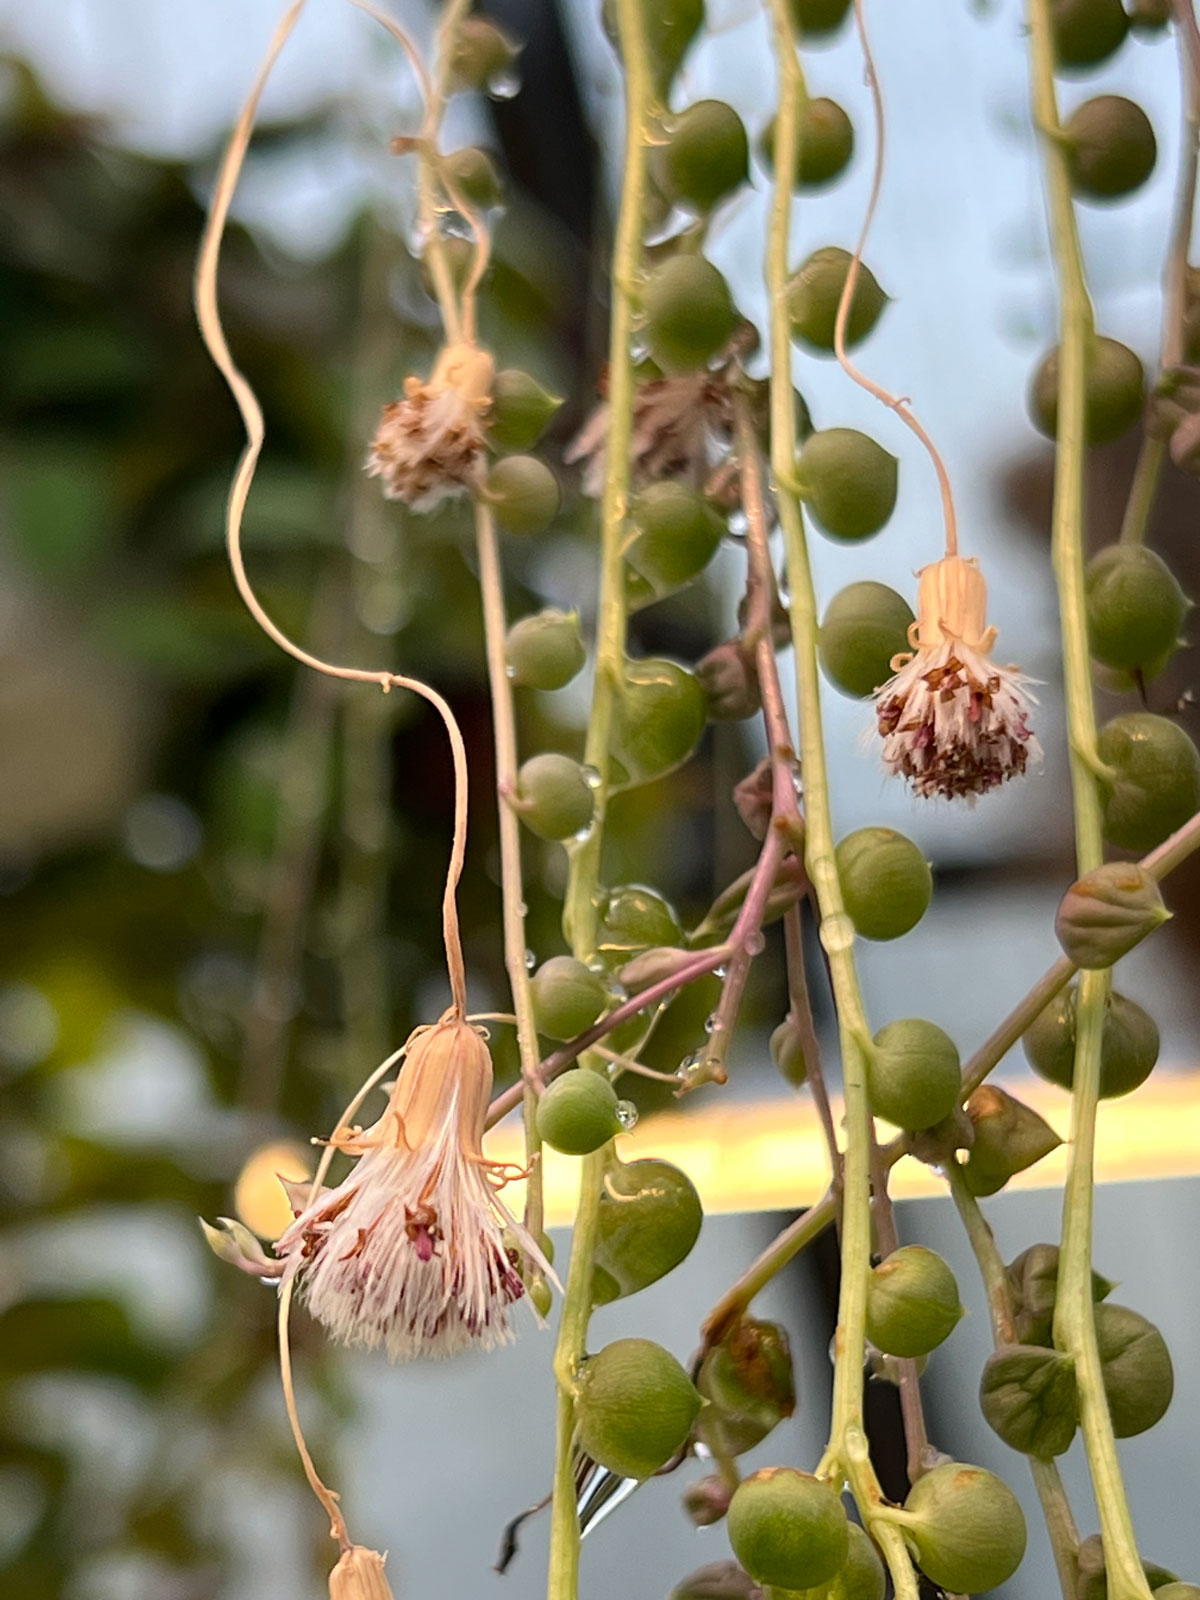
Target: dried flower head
[[407, 1251], [430, 445], [953, 722], [682, 429], [359, 1575]]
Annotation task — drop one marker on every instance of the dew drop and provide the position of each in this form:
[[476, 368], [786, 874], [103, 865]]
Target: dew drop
[[590, 776], [721, 972], [627, 1114], [711, 1024], [504, 85], [755, 944], [689, 1066], [530, 961], [584, 833]]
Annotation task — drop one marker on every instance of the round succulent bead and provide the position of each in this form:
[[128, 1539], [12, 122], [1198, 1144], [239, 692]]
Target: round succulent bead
[[567, 997], [553, 797], [1135, 609], [1111, 148], [788, 1529], [521, 409], [914, 1077], [707, 155], [689, 313], [481, 54], [787, 1052], [660, 713], [1139, 1380], [886, 882], [545, 651], [864, 626], [1115, 390], [524, 494], [578, 1112], [634, 918], [1086, 32], [471, 173], [1155, 786], [824, 145], [648, 1222], [677, 535], [1129, 1044], [967, 1526], [848, 482], [813, 296], [912, 1302], [816, 19], [634, 1407]]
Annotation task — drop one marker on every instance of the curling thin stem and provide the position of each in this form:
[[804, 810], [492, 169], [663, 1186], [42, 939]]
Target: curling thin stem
[[327, 1497]]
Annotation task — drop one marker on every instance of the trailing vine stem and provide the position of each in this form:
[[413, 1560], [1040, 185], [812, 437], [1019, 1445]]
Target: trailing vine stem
[[1074, 1319], [1056, 1508], [847, 1454]]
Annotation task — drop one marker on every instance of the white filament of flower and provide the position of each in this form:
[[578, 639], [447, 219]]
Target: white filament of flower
[[431, 445]]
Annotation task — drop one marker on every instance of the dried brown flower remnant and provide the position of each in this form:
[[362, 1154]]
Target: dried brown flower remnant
[[682, 429], [407, 1250], [953, 722], [359, 1575], [430, 444]]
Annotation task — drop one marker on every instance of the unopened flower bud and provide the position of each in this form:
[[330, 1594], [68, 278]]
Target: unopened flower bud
[[359, 1575], [634, 1407], [967, 1527], [1032, 1281], [1009, 1137], [707, 1500], [649, 1220], [652, 966], [748, 1381], [553, 797], [1028, 1396], [231, 1241], [727, 676], [1108, 911], [848, 482], [753, 797], [1135, 1364], [720, 1580], [815, 292], [1128, 1043]]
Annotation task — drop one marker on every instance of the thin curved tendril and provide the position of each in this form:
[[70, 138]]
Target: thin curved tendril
[[899, 406], [213, 334], [327, 1497]]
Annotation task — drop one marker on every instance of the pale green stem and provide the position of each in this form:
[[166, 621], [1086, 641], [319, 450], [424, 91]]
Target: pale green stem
[[1056, 1508], [847, 1452], [491, 587], [1143, 489], [1074, 1321], [580, 914]]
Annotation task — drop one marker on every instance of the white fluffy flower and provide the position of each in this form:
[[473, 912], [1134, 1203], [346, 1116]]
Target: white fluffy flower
[[407, 1252], [953, 722], [430, 445]]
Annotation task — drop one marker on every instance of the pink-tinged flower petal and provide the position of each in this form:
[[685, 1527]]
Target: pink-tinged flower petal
[[430, 444]]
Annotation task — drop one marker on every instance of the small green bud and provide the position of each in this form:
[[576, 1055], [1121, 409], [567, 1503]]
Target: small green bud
[[707, 155], [524, 494], [1115, 386], [864, 626], [748, 1381], [471, 173], [848, 482], [1086, 32], [788, 1529], [1135, 1364], [707, 1500], [1156, 786], [912, 1302], [652, 966], [635, 918], [1093, 1580], [1106, 912], [1150, 16], [553, 797], [578, 1112], [1028, 1396], [1128, 1044], [634, 1407], [1032, 1281], [541, 1296], [661, 711], [1009, 1137], [1135, 609], [648, 1222], [823, 148], [814, 293], [730, 683], [1111, 148], [521, 410], [886, 882], [689, 313], [913, 1076], [567, 997], [545, 651], [967, 1526], [482, 56], [816, 18], [678, 533], [787, 1052], [720, 1580]]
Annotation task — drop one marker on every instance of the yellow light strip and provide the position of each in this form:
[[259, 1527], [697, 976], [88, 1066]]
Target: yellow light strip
[[769, 1155]]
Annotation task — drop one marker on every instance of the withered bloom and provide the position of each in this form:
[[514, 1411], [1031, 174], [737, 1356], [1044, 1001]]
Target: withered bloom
[[359, 1575], [430, 444], [407, 1251], [953, 722]]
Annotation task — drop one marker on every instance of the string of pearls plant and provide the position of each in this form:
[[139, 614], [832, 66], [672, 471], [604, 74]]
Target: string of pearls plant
[[415, 1250]]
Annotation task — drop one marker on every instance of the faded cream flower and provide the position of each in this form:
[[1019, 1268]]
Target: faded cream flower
[[359, 1575], [407, 1252], [953, 722], [430, 445]]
